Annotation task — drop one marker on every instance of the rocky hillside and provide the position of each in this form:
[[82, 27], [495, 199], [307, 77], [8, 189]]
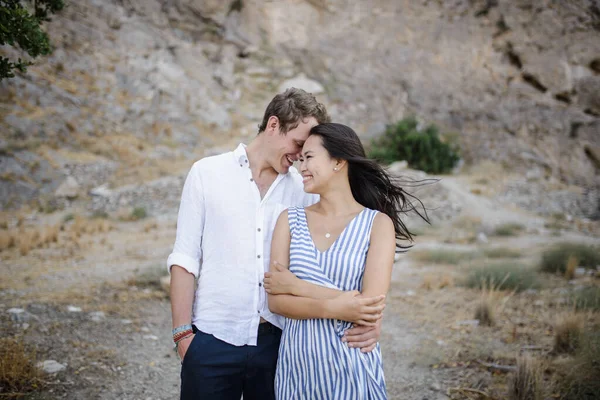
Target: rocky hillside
[[138, 89]]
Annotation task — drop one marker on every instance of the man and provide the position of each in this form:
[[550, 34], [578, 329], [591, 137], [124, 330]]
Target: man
[[226, 336]]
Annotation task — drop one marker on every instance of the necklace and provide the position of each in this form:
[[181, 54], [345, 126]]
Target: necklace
[[327, 235]]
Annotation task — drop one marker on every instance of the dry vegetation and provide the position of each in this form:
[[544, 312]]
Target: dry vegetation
[[527, 319], [18, 373]]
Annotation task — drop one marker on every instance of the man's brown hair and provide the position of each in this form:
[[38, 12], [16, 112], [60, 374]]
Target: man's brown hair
[[293, 106]]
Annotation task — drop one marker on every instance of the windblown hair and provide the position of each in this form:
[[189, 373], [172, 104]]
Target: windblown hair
[[371, 185], [291, 107]]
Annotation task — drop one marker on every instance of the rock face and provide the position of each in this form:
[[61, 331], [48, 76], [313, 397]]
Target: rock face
[[518, 80]]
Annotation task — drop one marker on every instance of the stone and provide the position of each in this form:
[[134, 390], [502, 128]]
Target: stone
[[302, 82], [468, 322], [588, 93], [73, 309], [101, 191], [51, 366], [69, 188], [398, 167], [18, 315], [150, 337], [97, 316], [482, 238]]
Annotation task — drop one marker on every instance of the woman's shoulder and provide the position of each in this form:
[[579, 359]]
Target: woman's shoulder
[[381, 221]]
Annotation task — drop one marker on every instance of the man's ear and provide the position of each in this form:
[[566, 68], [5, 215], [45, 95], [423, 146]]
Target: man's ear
[[273, 125]]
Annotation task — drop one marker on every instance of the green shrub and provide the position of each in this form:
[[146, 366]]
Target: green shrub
[[100, 214], [422, 149], [503, 276], [138, 213], [587, 298], [555, 259], [68, 217], [508, 229], [581, 379], [149, 277], [440, 256], [501, 252]]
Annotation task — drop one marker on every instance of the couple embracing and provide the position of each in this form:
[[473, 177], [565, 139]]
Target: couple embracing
[[279, 276]]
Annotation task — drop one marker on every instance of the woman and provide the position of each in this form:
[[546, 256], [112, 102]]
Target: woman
[[343, 244]]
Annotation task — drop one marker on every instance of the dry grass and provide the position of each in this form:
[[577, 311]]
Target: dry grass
[[440, 256], [572, 263], [150, 226], [509, 229], [587, 298], [501, 252], [567, 333], [27, 238], [7, 240], [467, 222], [149, 278], [556, 259], [436, 281], [526, 381], [484, 311], [579, 380], [18, 373], [503, 276]]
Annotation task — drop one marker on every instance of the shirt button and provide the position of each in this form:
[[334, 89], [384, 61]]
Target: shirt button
[[258, 311], [258, 229], [251, 180], [258, 256], [260, 284]]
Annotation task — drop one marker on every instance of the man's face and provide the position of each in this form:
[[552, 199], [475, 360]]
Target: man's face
[[287, 147]]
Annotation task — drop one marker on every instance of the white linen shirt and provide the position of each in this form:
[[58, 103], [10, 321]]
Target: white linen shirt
[[223, 237]]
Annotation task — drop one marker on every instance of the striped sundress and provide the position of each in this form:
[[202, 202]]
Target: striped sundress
[[313, 361]]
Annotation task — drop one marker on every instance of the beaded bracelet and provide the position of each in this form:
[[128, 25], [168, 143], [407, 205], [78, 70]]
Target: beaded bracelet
[[181, 328], [182, 335]]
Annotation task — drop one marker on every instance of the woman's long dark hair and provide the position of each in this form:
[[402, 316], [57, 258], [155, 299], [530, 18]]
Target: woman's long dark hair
[[371, 185]]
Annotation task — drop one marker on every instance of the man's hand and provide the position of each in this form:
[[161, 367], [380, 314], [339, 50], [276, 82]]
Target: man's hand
[[363, 337], [350, 307], [183, 345], [280, 280]]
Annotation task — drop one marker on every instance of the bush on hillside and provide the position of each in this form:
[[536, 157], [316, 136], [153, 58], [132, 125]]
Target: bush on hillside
[[422, 149]]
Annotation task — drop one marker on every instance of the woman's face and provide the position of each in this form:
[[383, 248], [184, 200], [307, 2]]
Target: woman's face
[[316, 165]]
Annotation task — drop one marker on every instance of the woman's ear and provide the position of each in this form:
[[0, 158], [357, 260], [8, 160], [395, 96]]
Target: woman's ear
[[339, 164]]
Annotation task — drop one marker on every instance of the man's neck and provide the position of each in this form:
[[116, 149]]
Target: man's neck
[[257, 153]]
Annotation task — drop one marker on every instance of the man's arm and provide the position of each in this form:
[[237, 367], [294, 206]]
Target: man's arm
[[184, 261], [182, 299]]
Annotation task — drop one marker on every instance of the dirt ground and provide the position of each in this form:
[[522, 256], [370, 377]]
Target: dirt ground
[[92, 301]]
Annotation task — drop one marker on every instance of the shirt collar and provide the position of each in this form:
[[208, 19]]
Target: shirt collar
[[241, 156]]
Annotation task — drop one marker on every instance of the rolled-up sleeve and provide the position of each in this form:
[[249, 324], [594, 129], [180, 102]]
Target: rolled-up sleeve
[[187, 251]]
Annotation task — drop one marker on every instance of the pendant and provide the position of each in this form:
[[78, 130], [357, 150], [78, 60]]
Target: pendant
[[327, 235]]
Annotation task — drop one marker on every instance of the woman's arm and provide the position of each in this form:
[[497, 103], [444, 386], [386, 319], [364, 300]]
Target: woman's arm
[[347, 306], [280, 280], [380, 258]]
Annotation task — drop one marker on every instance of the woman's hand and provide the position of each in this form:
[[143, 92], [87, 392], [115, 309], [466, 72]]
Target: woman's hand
[[351, 307], [280, 280]]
